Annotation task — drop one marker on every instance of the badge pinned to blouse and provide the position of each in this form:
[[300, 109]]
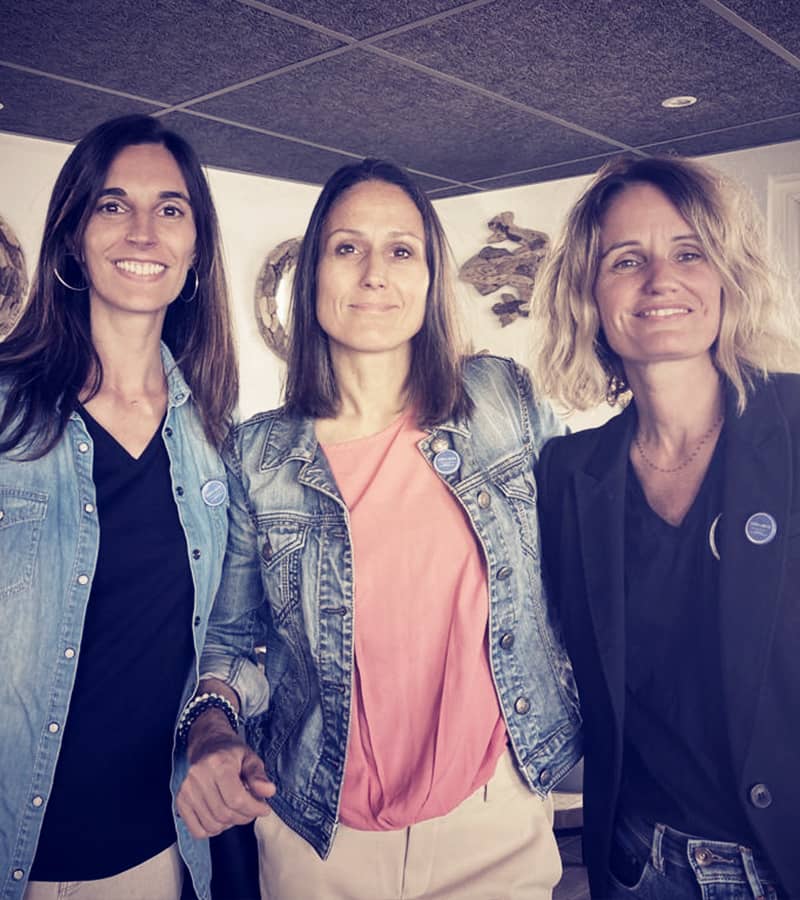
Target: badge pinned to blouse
[[760, 528], [214, 492], [446, 462]]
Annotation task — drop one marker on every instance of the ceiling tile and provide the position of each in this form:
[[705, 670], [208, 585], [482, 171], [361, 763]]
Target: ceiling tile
[[243, 150], [607, 65], [54, 109], [167, 50], [755, 135], [369, 105], [362, 19], [546, 173], [777, 19]]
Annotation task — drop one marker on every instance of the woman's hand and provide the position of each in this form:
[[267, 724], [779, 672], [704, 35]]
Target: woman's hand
[[226, 783]]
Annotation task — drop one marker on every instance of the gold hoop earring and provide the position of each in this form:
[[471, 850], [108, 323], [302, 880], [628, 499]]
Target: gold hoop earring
[[196, 286], [69, 287]]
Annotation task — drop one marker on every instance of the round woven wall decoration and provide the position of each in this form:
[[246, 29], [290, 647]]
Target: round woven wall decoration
[[13, 279], [277, 265]]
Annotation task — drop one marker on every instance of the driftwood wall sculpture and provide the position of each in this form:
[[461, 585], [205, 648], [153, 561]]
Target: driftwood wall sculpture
[[13, 279], [277, 265], [496, 267]]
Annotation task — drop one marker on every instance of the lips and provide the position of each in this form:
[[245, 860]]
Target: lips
[[139, 267]]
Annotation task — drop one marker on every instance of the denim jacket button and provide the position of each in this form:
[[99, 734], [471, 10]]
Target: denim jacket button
[[88, 507], [18, 875], [83, 447], [69, 653], [702, 856], [507, 641], [53, 727], [503, 573], [438, 444], [83, 579], [522, 706], [37, 801], [760, 796], [484, 499], [195, 554], [2, 515], [544, 777]]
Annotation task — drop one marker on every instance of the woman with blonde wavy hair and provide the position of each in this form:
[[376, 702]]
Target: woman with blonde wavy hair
[[670, 534]]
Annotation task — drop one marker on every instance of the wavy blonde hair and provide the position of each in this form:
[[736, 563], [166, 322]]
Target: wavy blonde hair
[[760, 322]]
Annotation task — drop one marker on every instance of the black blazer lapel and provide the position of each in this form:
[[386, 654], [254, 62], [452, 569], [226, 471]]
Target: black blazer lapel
[[600, 503], [757, 479]]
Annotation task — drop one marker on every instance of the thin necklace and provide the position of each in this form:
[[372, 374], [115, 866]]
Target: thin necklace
[[703, 441]]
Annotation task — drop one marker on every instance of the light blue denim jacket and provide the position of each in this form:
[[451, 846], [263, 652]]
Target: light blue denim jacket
[[288, 584], [49, 537]]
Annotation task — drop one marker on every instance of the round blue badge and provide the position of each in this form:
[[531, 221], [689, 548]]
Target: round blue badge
[[446, 462], [760, 528], [214, 492]]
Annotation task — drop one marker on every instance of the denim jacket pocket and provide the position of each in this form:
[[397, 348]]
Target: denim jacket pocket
[[21, 516]]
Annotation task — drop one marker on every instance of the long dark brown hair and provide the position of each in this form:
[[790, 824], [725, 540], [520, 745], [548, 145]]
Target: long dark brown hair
[[435, 381], [48, 360]]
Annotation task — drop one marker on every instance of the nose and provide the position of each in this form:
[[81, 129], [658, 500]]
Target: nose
[[142, 229], [374, 270], [660, 275]]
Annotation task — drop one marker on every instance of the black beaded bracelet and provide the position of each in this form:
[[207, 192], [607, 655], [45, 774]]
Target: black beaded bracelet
[[197, 706]]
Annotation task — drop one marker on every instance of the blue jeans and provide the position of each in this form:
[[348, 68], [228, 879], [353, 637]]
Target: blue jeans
[[664, 864]]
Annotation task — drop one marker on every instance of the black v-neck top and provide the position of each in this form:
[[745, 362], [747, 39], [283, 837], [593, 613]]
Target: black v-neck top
[[676, 768], [110, 805]]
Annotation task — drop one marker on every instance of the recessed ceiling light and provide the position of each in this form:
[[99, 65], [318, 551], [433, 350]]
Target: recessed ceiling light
[[679, 102]]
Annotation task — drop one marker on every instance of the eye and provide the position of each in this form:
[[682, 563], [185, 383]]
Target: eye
[[110, 207], [171, 211], [689, 255], [402, 252], [344, 249], [627, 262]]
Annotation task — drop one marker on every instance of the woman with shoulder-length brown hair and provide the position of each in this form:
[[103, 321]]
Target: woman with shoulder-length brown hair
[[418, 706], [669, 534], [117, 387]]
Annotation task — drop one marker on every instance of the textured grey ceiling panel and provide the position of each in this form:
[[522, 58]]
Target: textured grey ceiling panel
[[740, 138], [546, 173], [243, 150], [362, 19], [777, 19], [413, 119], [170, 50], [56, 109], [606, 66], [471, 94]]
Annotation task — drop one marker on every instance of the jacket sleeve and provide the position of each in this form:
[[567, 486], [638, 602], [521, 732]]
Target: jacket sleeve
[[236, 626]]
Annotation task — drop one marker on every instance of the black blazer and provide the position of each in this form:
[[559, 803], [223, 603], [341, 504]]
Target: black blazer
[[581, 482]]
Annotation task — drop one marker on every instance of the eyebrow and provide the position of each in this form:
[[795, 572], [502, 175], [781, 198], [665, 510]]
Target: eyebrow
[[691, 236], [162, 195], [392, 234]]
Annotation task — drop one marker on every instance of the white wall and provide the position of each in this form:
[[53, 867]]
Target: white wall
[[257, 213]]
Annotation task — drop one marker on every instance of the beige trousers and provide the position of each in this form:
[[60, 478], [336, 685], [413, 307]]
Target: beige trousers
[[158, 878], [497, 845]]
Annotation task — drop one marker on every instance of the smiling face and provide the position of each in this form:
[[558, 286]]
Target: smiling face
[[140, 238], [658, 296], [372, 275]]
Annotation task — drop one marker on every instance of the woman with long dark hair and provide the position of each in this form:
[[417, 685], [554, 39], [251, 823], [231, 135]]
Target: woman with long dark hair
[[116, 390], [418, 706]]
